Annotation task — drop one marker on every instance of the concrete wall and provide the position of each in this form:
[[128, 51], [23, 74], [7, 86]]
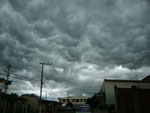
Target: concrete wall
[[32, 103], [110, 92]]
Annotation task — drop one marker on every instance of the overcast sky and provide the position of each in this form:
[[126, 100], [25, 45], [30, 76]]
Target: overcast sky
[[86, 40]]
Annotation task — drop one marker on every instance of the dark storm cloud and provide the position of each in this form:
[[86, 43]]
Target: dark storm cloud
[[85, 39]]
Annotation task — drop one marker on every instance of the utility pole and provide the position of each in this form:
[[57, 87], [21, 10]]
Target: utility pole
[[7, 79], [68, 96], [42, 82]]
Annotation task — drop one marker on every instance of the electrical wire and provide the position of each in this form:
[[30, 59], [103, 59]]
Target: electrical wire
[[25, 77], [88, 88], [16, 76], [21, 77]]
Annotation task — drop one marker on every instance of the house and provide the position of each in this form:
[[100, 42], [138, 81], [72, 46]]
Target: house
[[125, 96], [132, 100], [50, 106], [12, 103], [109, 87], [34, 101]]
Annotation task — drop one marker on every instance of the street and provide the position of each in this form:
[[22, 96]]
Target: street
[[69, 111]]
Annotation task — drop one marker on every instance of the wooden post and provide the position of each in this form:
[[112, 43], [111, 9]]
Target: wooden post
[[14, 107], [5, 104], [26, 108], [136, 101], [23, 109], [117, 99], [52, 108]]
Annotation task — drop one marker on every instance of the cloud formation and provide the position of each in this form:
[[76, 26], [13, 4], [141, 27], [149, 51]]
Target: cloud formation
[[86, 40]]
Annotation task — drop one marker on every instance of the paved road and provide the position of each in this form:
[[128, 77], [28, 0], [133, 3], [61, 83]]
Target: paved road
[[73, 112], [83, 112]]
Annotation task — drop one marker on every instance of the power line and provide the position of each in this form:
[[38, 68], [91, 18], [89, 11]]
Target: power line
[[34, 80], [21, 77], [16, 76], [25, 77]]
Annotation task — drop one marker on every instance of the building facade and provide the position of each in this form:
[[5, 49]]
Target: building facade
[[12, 103], [124, 96], [47, 106], [75, 100], [109, 87], [132, 100]]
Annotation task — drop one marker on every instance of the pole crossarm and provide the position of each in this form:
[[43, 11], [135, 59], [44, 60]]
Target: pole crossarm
[[46, 63]]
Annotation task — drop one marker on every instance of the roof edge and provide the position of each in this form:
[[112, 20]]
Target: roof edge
[[114, 80]]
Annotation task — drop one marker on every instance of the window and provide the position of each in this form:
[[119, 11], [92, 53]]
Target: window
[[77, 100], [73, 100], [63, 100]]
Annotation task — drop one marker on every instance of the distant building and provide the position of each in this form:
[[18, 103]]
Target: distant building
[[75, 100]]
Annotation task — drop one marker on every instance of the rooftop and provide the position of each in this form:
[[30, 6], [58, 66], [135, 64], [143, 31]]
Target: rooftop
[[115, 80]]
